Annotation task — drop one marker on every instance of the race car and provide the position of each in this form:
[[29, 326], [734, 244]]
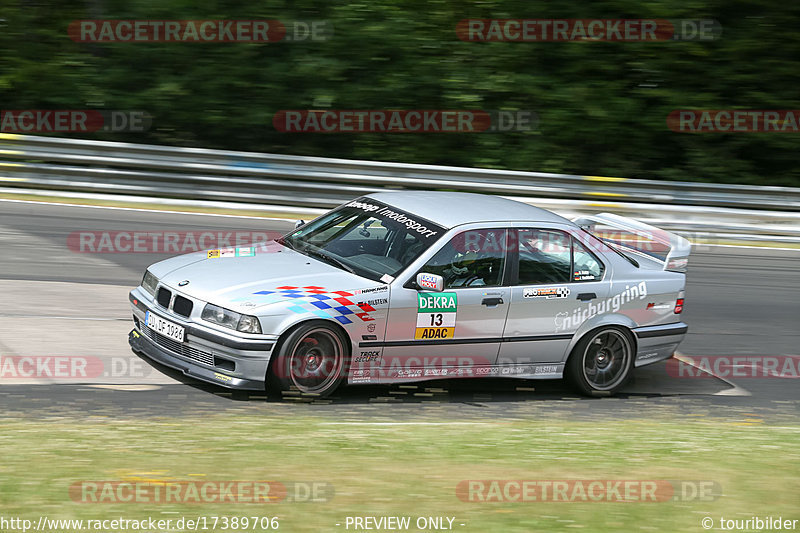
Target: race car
[[411, 286]]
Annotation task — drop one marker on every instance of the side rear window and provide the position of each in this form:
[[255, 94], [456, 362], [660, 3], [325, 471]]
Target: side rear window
[[544, 257], [585, 265], [550, 256]]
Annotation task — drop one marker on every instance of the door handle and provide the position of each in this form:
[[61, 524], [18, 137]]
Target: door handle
[[492, 301], [586, 296]]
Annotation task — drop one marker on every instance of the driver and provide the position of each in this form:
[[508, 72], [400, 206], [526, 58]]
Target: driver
[[462, 271]]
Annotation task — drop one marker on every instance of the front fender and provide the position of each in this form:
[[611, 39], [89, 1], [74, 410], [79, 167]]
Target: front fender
[[282, 324]]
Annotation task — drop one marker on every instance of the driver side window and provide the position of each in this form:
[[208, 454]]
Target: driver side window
[[474, 258]]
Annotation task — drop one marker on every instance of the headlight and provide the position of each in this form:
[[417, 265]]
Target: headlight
[[249, 324], [149, 282], [230, 319]]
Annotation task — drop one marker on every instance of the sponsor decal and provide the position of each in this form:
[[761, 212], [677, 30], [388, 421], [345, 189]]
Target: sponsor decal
[[435, 333], [371, 327], [222, 377], [655, 306], [319, 301], [427, 281], [390, 216], [246, 251], [566, 321], [377, 301], [367, 357], [547, 293], [436, 315], [388, 368], [361, 376], [382, 288]]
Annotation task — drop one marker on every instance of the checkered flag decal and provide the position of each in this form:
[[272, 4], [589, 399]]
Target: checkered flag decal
[[322, 303]]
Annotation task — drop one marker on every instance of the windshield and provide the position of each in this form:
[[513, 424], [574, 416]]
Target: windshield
[[367, 238]]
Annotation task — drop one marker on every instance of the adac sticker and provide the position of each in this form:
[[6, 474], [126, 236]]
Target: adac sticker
[[548, 293], [436, 315]]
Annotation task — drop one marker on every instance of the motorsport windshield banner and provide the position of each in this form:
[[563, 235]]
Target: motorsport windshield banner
[[427, 231]]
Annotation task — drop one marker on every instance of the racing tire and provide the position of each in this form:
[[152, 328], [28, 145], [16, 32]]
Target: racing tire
[[310, 363], [601, 363]]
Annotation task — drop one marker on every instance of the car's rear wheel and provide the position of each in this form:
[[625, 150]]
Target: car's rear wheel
[[309, 363], [602, 361]]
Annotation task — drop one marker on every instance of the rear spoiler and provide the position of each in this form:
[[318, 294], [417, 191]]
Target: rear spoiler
[[630, 235]]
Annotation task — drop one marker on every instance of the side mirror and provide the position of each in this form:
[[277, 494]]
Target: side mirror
[[430, 282], [299, 223]]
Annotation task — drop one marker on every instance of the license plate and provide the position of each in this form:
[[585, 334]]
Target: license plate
[[164, 327]]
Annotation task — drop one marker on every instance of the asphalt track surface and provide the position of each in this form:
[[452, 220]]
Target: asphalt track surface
[[739, 302]]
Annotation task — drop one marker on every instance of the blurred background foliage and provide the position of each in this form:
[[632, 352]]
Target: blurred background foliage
[[602, 106]]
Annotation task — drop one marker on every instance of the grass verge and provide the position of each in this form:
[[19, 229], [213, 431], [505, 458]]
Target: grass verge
[[408, 469]]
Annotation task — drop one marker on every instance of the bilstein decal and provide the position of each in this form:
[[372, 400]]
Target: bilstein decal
[[436, 315]]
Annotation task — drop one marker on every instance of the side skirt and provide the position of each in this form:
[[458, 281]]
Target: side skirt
[[366, 374]]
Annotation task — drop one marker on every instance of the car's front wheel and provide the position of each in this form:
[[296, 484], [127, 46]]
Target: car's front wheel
[[309, 363], [602, 361]]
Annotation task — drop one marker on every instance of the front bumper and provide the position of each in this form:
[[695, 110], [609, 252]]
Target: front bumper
[[234, 363], [149, 349]]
